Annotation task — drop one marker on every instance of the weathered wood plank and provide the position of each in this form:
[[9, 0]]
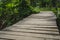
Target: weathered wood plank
[[40, 26]]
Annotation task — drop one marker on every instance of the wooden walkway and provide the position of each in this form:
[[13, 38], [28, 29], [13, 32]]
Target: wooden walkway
[[40, 26]]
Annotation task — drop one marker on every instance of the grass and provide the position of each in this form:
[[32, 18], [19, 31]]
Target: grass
[[35, 9], [44, 9]]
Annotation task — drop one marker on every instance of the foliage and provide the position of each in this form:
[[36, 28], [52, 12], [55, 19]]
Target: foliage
[[12, 11]]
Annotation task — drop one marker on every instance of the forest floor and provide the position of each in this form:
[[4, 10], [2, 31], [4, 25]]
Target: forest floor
[[41, 26]]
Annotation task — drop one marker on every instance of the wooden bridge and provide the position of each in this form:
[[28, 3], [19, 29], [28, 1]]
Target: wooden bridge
[[41, 26]]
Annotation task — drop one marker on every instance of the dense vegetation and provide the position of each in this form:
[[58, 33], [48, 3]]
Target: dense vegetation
[[11, 11]]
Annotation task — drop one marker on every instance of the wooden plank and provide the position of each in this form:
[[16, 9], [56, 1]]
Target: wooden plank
[[40, 26]]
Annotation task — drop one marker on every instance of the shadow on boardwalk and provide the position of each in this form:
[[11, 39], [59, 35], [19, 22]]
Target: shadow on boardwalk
[[58, 24]]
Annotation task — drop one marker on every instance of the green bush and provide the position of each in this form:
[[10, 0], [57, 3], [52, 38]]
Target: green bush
[[11, 11], [58, 14]]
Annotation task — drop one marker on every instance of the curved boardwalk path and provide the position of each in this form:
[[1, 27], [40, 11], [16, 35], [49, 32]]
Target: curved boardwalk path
[[40, 26]]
